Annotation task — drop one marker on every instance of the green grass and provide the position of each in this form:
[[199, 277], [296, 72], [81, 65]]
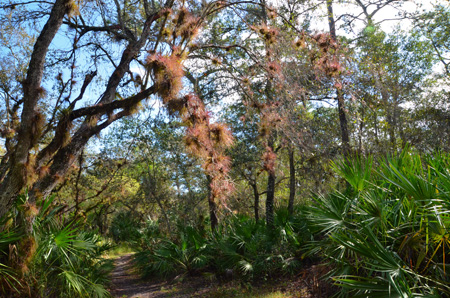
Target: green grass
[[119, 250], [194, 287], [239, 293]]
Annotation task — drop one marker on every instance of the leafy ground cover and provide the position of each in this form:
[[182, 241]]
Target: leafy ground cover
[[58, 258], [387, 235]]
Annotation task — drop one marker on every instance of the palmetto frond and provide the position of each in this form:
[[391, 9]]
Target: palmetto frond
[[389, 237]]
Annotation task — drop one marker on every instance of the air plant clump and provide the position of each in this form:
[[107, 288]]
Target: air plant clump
[[41, 92], [190, 28], [274, 69], [193, 110], [168, 74], [44, 171], [270, 119], [220, 187], [205, 140], [268, 34], [217, 164], [7, 133], [177, 105], [269, 157], [272, 13], [326, 57], [166, 32], [300, 43], [197, 142], [72, 8], [333, 67], [221, 135], [271, 116], [29, 167], [216, 61], [323, 40], [245, 80], [186, 25]]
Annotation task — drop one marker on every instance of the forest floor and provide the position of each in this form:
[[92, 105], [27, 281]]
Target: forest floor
[[126, 283]]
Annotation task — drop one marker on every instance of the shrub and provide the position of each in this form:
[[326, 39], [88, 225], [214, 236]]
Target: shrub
[[387, 235], [60, 259], [247, 248], [125, 227]]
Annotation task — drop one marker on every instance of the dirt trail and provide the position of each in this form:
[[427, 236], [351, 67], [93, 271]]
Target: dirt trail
[[126, 283]]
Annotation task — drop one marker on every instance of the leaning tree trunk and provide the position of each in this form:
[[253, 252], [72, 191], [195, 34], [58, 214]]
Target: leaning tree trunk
[[31, 118]]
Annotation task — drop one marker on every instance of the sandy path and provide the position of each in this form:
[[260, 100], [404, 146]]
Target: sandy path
[[126, 283]]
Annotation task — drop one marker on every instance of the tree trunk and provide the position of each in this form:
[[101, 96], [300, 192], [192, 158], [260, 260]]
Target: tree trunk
[[343, 123], [270, 194], [212, 207], [340, 95], [360, 131], [270, 199], [256, 200], [213, 214], [291, 181], [29, 131]]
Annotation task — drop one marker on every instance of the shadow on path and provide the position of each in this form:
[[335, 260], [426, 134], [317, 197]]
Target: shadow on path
[[126, 283]]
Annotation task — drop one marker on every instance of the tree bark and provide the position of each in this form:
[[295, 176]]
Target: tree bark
[[291, 181], [270, 199], [340, 95], [31, 118], [256, 200], [270, 195], [343, 124], [212, 207], [213, 213]]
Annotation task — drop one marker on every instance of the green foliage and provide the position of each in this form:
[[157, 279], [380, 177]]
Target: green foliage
[[388, 236], [125, 227], [248, 249], [187, 254], [58, 259], [8, 278], [254, 250], [354, 170], [68, 263]]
